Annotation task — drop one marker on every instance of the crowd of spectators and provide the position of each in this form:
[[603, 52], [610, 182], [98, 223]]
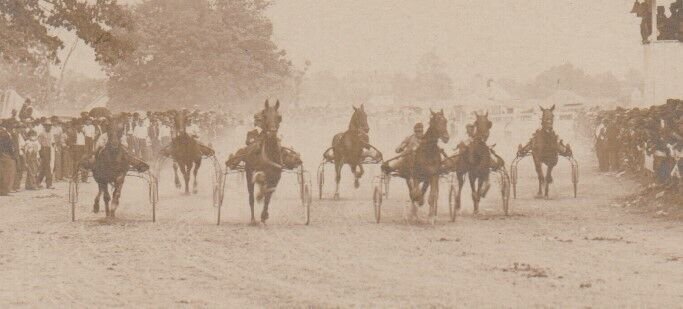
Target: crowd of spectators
[[39, 152], [624, 138]]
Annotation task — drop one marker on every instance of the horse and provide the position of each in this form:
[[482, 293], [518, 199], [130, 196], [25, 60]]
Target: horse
[[111, 165], [423, 166], [264, 167], [187, 155], [347, 148], [474, 161], [545, 149]]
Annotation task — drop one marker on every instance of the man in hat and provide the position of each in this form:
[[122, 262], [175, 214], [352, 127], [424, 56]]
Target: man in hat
[[408, 145], [32, 155], [59, 143], [7, 162], [26, 110], [46, 140], [19, 139], [411, 142]]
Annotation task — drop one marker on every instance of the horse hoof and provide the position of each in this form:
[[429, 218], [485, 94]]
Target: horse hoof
[[195, 191], [336, 196], [177, 185], [96, 209], [264, 217], [356, 184], [253, 223]]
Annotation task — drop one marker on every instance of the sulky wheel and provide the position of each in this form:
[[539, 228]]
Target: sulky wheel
[[307, 201], [453, 208], [377, 202], [321, 180], [513, 176], [73, 198], [505, 191], [575, 177], [387, 182]]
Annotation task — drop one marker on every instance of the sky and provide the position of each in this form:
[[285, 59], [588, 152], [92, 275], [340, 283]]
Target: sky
[[496, 38]]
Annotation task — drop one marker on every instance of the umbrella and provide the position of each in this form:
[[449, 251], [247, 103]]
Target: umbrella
[[98, 112]]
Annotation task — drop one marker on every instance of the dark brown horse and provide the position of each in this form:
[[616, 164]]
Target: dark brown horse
[[422, 168], [187, 155], [110, 168], [545, 147], [475, 161], [264, 166], [347, 147]]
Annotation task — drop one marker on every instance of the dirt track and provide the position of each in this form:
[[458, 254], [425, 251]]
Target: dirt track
[[560, 252]]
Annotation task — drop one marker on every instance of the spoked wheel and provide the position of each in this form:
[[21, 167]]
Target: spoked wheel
[[321, 180], [513, 175], [307, 201], [153, 196], [377, 202], [452, 207], [218, 191], [73, 198], [575, 175], [387, 182], [505, 191]]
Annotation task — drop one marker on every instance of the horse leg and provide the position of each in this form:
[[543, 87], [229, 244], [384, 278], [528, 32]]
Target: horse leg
[[270, 184], [356, 175], [421, 200], [406, 211], [338, 164], [118, 186], [461, 183], [105, 190], [548, 179], [250, 188], [197, 164], [433, 197], [475, 193], [186, 169], [96, 206], [175, 173], [541, 178]]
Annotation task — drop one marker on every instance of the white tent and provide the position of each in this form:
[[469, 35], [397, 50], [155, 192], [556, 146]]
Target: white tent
[[9, 100], [562, 97], [99, 102]]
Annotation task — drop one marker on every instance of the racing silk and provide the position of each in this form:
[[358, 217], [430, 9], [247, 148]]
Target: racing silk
[[600, 132], [102, 141], [409, 144]]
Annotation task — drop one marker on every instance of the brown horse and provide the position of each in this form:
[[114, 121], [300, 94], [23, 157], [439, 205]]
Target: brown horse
[[423, 166], [187, 155], [347, 147], [111, 165], [545, 147], [475, 161], [264, 167]]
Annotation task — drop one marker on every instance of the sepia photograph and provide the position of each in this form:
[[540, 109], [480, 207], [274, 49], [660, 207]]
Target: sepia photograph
[[341, 154]]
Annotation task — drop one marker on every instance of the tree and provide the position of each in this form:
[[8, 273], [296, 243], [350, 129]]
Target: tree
[[432, 82], [29, 79], [198, 52], [26, 28]]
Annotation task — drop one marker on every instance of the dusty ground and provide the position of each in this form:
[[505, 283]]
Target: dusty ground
[[562, 252]]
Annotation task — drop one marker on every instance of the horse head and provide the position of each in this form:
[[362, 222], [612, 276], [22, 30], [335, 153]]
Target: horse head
[[547, 117], [271, 118], [359, 120], [439, 125], [482, 126]]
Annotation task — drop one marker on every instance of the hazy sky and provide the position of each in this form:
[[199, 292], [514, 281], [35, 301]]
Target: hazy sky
[[510, 38]]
